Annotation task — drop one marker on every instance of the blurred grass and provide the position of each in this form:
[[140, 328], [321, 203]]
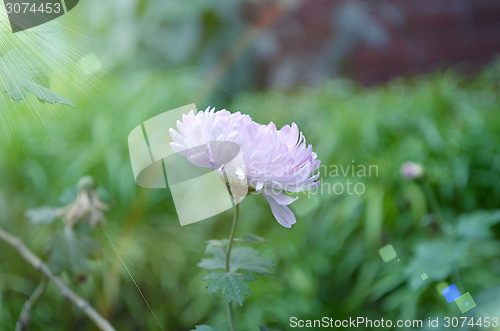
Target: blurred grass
[[327, 264]]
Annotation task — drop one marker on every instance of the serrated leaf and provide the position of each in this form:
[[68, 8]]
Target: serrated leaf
[[249, 259], [205, 328], [218, 262], [213, 243], [70, 251], [20, 72], [242, 258], [45, 94], [42, 215], [233, 285]]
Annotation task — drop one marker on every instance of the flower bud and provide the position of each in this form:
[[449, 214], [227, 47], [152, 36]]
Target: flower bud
[[412, 170]]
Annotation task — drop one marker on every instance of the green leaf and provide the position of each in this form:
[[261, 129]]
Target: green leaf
[[251, 238], [242, 258], [218, 262], [232, 285], [22, 72], [3, 87], [213, 243], [476, 225], [436, 257], [45, 94], [249, 259], [42, 215], [70, 251], [205, 328]]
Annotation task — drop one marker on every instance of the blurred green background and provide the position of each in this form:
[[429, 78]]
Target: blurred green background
[[118, 70]]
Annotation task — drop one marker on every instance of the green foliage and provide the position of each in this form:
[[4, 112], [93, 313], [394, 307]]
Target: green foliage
[[329, 265], [42, 215], [241, 259], [249, 259], [214, 243], [70, 251], [218, 262], [231, 284], [442, 121], [70, 247], [21, 72], [251, 238], [243, 263], [477, 225]]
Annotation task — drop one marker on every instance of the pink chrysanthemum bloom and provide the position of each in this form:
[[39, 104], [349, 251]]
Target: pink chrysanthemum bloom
[[274, 160]]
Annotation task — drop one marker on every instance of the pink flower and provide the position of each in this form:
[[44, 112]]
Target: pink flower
[[412, 170], [274, 160]]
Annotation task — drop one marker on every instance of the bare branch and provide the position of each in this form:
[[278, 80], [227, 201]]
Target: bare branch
[[39, 265], [25, 316]]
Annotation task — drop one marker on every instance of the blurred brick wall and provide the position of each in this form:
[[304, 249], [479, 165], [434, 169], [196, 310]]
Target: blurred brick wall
[[435, 34]]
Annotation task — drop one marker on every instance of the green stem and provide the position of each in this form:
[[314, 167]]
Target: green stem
[[229, 306], [433, 201], [231, 235], [230, 315]]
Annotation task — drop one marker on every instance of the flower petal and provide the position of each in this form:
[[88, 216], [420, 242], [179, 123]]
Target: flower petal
[[281, 198], [283, 214]]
